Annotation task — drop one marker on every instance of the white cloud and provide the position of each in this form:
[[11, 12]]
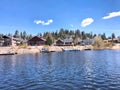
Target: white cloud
[[111, 15], [86, 22], [43, 22]]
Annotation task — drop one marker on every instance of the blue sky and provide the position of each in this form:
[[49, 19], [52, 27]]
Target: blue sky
[[33, 16]]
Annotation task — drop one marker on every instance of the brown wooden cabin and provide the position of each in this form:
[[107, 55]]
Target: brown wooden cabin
[[59, 42], [115, 40], [36, 41]]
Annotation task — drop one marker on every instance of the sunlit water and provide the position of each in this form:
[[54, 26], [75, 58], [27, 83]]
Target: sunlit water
[[80, 70]]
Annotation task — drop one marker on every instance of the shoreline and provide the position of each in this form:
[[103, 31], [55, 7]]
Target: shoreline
[[37, 49]]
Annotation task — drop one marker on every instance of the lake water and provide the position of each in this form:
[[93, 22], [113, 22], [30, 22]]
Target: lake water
[[80, 70]]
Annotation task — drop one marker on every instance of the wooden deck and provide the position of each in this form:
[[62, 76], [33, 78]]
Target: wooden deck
[[8, 53]]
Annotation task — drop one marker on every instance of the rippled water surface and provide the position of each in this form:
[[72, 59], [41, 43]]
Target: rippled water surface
[[81, 70]]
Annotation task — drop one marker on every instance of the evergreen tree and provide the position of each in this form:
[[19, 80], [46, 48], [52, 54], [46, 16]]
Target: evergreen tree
[[103, 36], [45, 34], [16, 35], [30, 36], [66, 32], [49, 39], [113, 36], [9, 34], [77, 33], [83, 35], [94, 35], [39, 34], [56, 35], [62, 33], [71, 32], [21, 35], [24, 35]]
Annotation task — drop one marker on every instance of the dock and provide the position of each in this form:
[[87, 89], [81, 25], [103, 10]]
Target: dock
[[8, 53]]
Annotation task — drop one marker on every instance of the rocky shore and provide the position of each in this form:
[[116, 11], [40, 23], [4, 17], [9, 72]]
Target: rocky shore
[[116, 47], [38, 49]]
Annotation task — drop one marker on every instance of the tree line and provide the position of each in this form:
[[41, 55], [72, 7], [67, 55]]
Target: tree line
[[62, 33], [77, 35]]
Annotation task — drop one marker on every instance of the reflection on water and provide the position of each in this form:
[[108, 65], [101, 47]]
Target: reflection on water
[[91, 70]]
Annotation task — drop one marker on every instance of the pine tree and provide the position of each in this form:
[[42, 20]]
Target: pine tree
[[24, 35], [103, 36], [16, 35], [113, 36], [49, 39]]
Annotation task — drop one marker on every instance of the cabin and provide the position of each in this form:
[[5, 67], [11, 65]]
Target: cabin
[[118, 39], [64, 42], [59, 42], [68, 41], [1, 41], [86, 42], [10, 41], [105, 41], [18, 41], [37, 41], [114, 40], [7, 40]]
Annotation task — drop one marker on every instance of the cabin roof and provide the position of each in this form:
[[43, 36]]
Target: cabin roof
[[19, 39], [68, 40], [87, 41], [36, 38], [16, 39], [59, 39], [7, 37]]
